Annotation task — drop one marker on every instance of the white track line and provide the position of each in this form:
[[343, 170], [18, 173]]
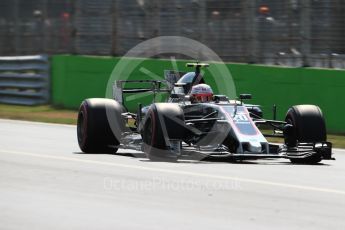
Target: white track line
[[187, 173], [34, 122]]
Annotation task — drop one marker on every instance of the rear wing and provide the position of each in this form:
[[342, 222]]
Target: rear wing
[[154, 86]]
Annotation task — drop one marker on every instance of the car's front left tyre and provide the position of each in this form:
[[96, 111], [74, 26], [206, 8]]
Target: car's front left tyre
[[163, 121]]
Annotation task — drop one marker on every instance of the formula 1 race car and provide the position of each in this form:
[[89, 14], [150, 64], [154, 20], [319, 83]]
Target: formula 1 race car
[[185, 126]]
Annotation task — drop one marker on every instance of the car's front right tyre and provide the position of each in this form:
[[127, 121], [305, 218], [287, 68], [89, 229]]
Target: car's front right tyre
[[99, 125]]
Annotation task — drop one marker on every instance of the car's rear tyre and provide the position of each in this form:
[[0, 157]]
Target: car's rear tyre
[[307, 126], [162, 122], [99, 125]]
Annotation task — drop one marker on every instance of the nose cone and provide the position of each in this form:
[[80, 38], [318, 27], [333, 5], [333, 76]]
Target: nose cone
[[254, 146]]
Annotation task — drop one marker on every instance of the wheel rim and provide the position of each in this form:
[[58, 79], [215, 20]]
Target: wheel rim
[[291, 140]]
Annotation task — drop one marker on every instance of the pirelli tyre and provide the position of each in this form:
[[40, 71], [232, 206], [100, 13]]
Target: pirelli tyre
[[99, 125], [307, 126], [163, 122]]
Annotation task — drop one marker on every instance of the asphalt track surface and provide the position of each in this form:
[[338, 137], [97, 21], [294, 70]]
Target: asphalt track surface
[[46, 183]]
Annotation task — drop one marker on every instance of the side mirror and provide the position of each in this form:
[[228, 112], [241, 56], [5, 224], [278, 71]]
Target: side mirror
[[219, 98], [245, 96]]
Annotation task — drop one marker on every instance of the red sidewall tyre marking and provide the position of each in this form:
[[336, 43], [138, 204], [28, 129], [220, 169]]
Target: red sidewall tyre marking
[[83, 111]]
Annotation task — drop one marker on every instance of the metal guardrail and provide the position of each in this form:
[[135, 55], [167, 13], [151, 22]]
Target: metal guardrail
[[24, 80]]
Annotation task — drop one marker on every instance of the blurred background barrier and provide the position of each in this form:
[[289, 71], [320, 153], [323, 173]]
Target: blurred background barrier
[[24, 80], [75, 78], [289, 33], [293, 33]]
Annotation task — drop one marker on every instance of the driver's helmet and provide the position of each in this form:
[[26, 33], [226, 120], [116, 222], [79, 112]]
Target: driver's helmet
[[201, 93]]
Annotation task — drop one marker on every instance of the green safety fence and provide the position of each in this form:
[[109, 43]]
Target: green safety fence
[[75, 78]]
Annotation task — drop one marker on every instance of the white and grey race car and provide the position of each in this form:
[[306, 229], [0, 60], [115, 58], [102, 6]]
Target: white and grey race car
[[220, 129]]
